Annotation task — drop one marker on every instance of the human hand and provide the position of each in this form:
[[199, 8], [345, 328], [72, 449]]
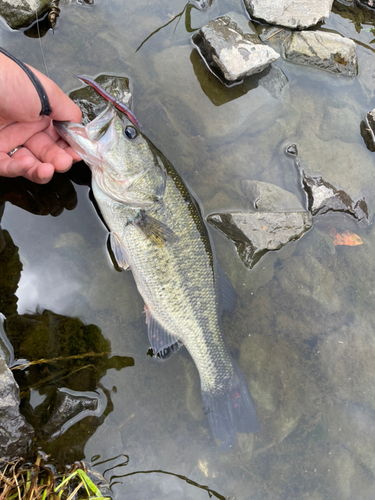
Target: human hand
[[43, 152]]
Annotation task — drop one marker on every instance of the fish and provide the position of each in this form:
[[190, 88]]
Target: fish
[[158, 232]]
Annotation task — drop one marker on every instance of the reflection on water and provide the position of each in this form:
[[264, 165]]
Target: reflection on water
[[303, 333]]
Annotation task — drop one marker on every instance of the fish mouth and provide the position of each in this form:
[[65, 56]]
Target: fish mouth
[[73, 133], [82, 137], [64, 129]]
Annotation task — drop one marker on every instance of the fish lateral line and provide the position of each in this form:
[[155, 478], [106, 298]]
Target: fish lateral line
[[117, 104]]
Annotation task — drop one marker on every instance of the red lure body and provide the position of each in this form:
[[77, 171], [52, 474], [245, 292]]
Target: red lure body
[[119, 105]]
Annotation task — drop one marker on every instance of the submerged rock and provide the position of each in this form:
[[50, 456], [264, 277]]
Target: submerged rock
[[69, 408], [365, 3], [232, 49], [202, 4], [15, 432], [290, 13], [315, 283], [279, 396], [324, 198], [256, 233], [22, 13], [268, 197], [368, 130], [327, 51]]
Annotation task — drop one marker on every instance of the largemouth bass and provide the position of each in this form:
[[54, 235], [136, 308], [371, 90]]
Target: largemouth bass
[[157, 230]]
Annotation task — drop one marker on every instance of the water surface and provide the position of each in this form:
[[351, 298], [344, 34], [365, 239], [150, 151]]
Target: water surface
[[303, 333]]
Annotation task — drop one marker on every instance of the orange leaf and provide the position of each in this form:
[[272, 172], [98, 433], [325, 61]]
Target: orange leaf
[[346, 238]]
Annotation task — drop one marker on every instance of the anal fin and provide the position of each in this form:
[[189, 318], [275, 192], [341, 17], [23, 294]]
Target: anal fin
[[163, 343]]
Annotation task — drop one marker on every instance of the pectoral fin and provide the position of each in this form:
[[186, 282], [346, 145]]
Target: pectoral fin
[[162, 342], [119, 252], [156, 231]]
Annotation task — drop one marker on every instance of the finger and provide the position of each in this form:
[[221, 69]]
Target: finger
[[52, 132], [69, 150], [17, 134], [24, 163], [63, 108], [47, 151], [23, 104], [14, 167]]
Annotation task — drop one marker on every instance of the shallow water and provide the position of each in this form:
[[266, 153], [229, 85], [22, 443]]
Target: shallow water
[[304, 331]]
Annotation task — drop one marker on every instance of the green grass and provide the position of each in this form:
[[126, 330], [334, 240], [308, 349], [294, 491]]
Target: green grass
[[20, 481]]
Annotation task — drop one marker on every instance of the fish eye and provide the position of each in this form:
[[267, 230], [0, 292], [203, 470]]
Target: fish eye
[[130, 132]]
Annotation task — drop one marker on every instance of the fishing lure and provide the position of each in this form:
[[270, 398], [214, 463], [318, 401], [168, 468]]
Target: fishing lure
[[118, 104]]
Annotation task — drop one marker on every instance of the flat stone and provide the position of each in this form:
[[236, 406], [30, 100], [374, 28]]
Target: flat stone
[[279, 396], [368, 130], [268, 197], [328, 51], [69, 408], [256, 233], [290, 13], [15, 432], [232, 49], [22, 13], [334, 159], [202, 4], [323, 197]]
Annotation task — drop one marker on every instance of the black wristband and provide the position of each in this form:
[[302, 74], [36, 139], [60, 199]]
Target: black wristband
[[46, 109]]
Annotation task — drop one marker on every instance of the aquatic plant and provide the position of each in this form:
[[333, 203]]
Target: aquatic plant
[[39, 481]]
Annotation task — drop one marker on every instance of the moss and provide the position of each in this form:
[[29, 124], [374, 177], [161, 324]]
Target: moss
[[48, 336]]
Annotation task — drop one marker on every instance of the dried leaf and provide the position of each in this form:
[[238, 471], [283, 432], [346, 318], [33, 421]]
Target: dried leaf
[[345, 238]]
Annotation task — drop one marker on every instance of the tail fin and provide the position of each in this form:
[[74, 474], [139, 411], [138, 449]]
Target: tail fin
[[230, 412]]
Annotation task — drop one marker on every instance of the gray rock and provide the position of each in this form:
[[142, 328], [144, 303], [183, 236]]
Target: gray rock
[[334, 159], [279, 396], [232, 49], [368, 130], [369, 4], [6, 348], [327, 51], [22, 13], [324, 198], [290, 13], [202, 4], [256, 233], [268, 197], [15, 432], [69, 408]]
